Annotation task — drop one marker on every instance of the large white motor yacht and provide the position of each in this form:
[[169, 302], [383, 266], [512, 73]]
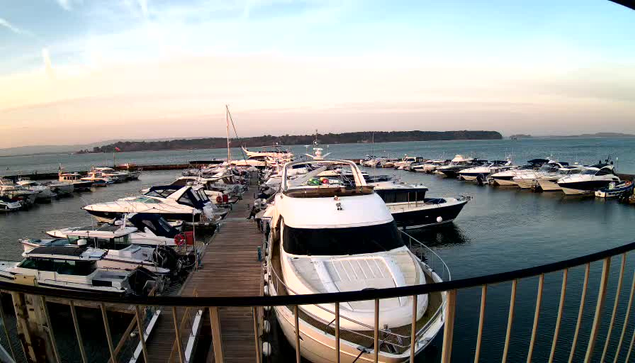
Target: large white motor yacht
[[590, 180], [332, 236]]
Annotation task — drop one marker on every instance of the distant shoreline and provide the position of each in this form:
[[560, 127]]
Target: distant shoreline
[[368, 137]]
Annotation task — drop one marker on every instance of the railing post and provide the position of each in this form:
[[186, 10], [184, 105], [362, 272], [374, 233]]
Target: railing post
[[49, 327], [556, 333], [534, 330], [254, 312], [595, 329], [142, 337], [585, 285], [104, 316], [510, 319], [615, 305], [481, 322], [448, 333], [6, 330], [413, 329], [626, 317], [376, 333], [177, 334], [296, 315], [217, 341], [337, 332], [80, 341]]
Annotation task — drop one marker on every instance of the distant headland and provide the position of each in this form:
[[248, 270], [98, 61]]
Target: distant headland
[[267, 140]]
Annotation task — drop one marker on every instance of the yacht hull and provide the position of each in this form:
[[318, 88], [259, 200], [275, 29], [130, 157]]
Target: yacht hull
[[583, 188], [549, 185], [525, 183], [426, 215], [505, 182]]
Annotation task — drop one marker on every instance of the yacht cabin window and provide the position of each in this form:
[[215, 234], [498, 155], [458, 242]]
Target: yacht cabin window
[[66, 267], [341, 241], [401, 196]]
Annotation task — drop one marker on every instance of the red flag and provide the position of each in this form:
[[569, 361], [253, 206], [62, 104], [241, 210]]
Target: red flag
[[117, 149]]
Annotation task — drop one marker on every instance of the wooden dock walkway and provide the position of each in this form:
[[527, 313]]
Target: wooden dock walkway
[[229, 267]]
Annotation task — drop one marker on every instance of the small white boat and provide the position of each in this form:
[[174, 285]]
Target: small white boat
[[6, 205]]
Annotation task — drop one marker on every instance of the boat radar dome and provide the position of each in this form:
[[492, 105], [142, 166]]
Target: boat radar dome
[[81, 242]]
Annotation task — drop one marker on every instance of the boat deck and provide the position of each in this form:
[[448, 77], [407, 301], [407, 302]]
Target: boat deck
[[229, 267]]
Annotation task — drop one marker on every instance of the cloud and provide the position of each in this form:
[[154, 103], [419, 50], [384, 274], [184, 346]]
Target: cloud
[[10, 26], [143, 4], [48, 67], [67, 4]]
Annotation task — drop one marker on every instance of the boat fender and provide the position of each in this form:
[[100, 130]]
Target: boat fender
[[266, 349], [266, 326], [179, 239], [439, 219], [267, 308], [265, 290]]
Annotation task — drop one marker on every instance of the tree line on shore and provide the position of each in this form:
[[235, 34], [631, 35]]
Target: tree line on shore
[[268, 140]]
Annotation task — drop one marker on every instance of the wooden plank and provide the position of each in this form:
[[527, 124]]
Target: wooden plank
[[230, 267]]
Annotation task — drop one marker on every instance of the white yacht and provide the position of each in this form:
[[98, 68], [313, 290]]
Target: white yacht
[[431, 166], [98, 178], [60, 189], [506, 178], [592, 179], [483, 171], [112, 174], [549, 182], [188, 204], [7, 205], [43, 192], [75, 179], [340, 236], [17, 193], [76, 269], [151, 230], [119, 252], [529, 179], [457, 164]]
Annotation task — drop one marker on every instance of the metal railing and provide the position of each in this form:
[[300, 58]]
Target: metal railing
[[610, 332]]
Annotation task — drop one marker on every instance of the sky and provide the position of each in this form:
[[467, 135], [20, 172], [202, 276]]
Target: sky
[[83, 71]]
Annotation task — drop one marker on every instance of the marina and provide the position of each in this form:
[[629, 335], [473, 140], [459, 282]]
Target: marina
[[230, 263]]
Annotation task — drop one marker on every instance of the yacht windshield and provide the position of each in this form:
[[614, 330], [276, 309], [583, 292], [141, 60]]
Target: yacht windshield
[[341, 241]]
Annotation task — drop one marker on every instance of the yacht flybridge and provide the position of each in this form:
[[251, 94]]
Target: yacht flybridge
[[331, 234]]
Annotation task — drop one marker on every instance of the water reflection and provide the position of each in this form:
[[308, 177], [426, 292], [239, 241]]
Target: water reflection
[[444, 235]]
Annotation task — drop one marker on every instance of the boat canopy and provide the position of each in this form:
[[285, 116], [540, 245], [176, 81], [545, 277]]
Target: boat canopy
[[154, 222]]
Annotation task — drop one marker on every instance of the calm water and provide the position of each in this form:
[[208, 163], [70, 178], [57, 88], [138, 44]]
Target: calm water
[[582, 150], [499, 230]]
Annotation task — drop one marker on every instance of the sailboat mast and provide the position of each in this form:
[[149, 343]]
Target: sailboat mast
[[227, 122]]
